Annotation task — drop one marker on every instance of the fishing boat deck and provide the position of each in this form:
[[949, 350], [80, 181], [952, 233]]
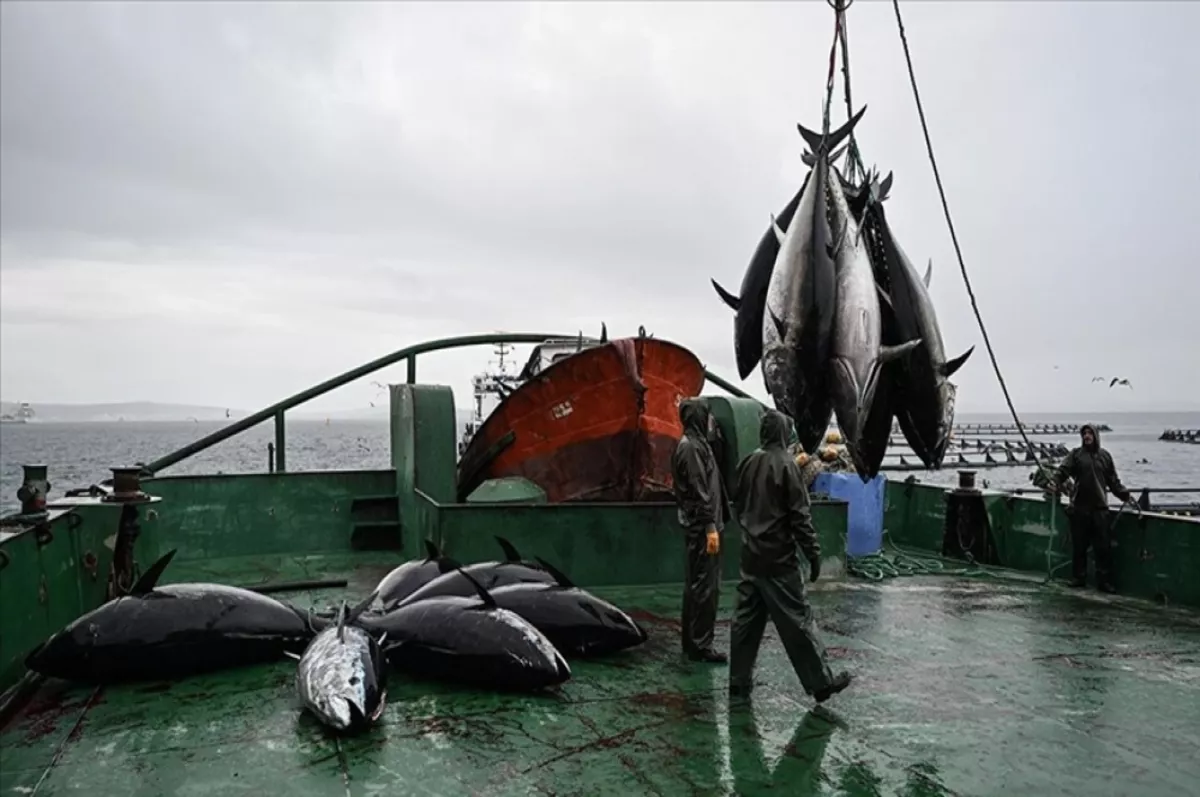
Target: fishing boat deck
[[963, 686]]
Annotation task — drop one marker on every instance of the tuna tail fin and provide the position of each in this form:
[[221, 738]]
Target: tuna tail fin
[[488, 601], [152, 575], [559, 576], [950, 366], [929, 273], [889, 353], [818, 143], [810, 160], [510, 551], [431, 550], [734, 302]]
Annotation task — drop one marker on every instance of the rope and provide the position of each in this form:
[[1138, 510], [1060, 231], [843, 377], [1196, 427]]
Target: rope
[[853, 156], [954, 237], [838, 18]]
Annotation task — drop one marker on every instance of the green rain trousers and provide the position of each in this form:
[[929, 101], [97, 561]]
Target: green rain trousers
[[781, 599]]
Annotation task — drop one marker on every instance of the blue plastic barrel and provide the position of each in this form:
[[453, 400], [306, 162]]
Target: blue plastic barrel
[[864, 522]]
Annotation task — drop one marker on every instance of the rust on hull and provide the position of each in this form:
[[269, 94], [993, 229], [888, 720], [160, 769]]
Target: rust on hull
[[599, 425]]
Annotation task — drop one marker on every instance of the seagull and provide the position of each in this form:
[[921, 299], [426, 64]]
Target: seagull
[[1099, 378], [1116, 381]]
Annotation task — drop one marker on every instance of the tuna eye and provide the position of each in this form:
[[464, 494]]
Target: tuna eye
[[354, 680]]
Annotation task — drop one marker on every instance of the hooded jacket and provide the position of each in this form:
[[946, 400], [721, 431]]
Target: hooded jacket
[[772, 505], [1093, 471], [699, 493]]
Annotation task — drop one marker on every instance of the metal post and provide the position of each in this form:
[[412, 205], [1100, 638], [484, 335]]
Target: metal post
[[412, 369], [280, 444], [270, 457]]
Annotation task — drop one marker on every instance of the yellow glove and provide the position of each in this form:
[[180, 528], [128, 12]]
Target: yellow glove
[[714, 542]]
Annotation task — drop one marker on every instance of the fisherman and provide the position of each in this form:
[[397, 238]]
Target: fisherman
[[703, 510], [1092, 469], [772, 506]]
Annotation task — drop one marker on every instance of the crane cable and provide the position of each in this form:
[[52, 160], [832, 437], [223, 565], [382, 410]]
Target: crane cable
[[954, 238]]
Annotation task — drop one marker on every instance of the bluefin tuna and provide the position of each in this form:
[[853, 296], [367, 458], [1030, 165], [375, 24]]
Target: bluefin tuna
[[490, 574], [411, 576], [798, 323], [925, 395], [576, 621], [470, 641], [172, 631], [748, 305], [858, 354], [342, 676]]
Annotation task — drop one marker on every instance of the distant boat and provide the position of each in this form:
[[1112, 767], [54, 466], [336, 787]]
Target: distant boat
[[24, 414]]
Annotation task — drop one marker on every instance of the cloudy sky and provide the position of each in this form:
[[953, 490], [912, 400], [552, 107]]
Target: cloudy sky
[[224, 203]]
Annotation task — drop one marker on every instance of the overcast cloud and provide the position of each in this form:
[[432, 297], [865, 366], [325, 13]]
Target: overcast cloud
[[224, 203]]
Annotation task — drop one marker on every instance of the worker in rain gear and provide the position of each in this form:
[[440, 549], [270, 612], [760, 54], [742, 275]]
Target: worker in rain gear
[[1093, 472], [703, 510], [773, 508]]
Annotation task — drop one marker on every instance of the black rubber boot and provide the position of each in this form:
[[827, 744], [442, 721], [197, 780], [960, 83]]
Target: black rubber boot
[[709, 656], [1077, 583], [840, 682]]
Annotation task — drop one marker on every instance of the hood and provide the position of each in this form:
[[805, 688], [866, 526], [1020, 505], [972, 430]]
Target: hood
[[1087, 427], [693, 414], [773, 431]]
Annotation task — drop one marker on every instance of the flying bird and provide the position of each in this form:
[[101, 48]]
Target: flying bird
[[1117, 381], [1099, 378]]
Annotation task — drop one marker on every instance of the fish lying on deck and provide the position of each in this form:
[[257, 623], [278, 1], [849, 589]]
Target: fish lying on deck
[[342, 675], [577, 622], [170, 632], [470, 641], [797, 331], [489, 574], [412, 575]]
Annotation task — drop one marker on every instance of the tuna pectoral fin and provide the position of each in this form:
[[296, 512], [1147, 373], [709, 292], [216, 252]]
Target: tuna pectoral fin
[[780, 327], [151, 576], [510, 551], [889, 353], [488, 601], [562, 580], [779, 233], [734, 302], [815, 140], [929, 272], [355, 612], [950, 366], [883, 296]]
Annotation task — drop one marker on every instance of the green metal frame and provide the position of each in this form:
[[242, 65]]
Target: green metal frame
[[410, 353]]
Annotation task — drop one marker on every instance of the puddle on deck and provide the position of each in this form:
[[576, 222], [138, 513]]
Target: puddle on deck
[[962, 688]]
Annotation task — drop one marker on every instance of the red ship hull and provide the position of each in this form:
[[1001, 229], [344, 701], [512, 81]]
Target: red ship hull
[[600, 425]]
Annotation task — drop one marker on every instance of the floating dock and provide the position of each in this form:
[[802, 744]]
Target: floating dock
[[1181, 436]]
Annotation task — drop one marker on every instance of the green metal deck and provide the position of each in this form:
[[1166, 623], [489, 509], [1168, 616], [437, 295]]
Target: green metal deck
[[964, 686]]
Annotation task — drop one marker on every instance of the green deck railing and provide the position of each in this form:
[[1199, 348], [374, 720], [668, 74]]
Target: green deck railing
[[276, 411]]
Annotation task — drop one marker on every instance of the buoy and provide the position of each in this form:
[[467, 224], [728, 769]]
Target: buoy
[[833, 437], [802, 459], [829, 454]]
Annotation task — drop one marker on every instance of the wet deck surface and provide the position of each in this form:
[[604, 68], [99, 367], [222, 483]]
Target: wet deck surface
[[963, 687]]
